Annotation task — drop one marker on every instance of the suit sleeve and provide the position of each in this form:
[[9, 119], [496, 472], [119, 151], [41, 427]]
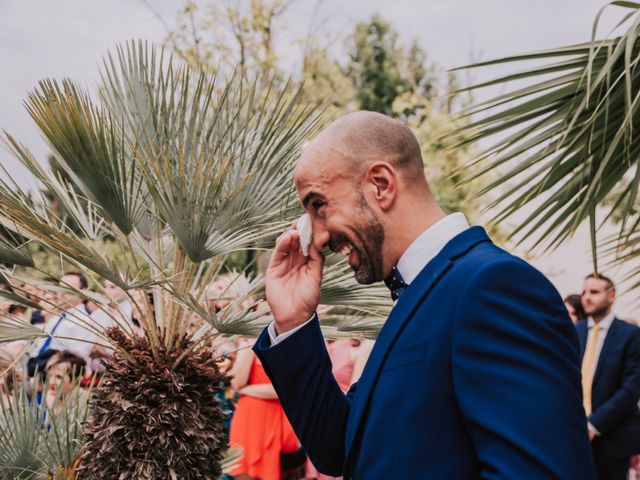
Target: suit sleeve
[[300, 370], [516, 376], [625, 399]]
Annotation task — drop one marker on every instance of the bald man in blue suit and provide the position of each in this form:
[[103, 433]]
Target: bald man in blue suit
[[475, 373]]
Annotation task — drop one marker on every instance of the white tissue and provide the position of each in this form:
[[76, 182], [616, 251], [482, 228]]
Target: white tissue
[[306, 233]]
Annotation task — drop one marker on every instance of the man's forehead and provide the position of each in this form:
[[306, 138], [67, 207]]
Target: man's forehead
[[319, 178], [595, 283]]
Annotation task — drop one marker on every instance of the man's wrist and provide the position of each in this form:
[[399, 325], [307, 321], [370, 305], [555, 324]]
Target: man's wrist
[[281, 327], [276, 337]]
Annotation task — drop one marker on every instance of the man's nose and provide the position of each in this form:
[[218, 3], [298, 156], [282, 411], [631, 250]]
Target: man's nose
[[321, 234]]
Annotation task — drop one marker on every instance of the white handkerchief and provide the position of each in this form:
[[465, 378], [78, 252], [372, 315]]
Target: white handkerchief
[[306, 233]]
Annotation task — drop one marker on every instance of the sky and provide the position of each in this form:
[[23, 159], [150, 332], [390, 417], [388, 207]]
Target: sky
[[68, 38]]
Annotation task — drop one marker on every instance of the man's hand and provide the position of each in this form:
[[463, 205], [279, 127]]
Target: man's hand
[[293, 282]]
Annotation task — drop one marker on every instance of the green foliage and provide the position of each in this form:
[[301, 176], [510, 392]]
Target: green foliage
[[382, 70], [566, 139], [36, 441], [223, 36], [324, 78]]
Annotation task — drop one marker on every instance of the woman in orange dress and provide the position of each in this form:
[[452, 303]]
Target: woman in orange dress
[[259, 425]]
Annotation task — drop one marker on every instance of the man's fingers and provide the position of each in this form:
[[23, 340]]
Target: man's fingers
[[288, 244], [314, 253], [282, 249], [295, 240]]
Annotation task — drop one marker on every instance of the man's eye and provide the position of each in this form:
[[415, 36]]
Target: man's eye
[[317, 205]]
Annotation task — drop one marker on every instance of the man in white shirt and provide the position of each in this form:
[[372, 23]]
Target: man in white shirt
[[610, 379], [71, 326]]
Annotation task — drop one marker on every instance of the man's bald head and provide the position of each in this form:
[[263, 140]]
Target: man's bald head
[[364, 137], [362, 183]]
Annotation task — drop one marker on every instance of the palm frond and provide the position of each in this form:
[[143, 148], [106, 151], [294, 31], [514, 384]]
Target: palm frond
[[13, 251], [341, 291], [566, 139], [14, 329], [34, 440], [217, 159], [91, 148], [39, 224], [85, 214]]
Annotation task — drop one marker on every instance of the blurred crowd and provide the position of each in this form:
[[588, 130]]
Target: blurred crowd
[[254, 418], [77, 353]]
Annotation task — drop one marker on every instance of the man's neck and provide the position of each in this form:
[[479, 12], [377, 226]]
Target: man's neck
[[415, 226]]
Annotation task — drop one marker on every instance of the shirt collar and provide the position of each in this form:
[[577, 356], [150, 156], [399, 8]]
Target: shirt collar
[[430, 242], [605, 323]]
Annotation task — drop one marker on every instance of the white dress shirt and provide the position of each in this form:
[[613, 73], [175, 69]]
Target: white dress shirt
[[71, 326], [108, 317], [421, 251]]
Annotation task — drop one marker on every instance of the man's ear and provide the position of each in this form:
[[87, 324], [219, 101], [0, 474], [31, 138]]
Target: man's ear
[[383, 179]]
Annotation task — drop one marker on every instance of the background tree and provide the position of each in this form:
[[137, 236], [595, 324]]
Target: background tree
[[374, 70], [382, 70], [224, 35]]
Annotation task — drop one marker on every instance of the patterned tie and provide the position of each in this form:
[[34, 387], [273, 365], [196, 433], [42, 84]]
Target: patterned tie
[[395, 283], [588, 367]]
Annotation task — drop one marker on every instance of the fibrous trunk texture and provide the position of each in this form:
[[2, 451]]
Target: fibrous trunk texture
[[153, 420]]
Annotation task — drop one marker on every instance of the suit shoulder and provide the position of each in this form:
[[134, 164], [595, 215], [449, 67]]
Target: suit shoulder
[[626, 325], [629, 330], [488, 260]]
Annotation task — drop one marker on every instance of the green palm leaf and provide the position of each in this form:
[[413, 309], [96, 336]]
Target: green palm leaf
[[91, 148], [85, 214], [13, 328], [39, 224], [14, 254], [217, 159], [33, 444], [566, 139]]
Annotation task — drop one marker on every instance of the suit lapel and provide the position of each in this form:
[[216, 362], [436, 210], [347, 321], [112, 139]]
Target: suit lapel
[[399, 316], [609, 341], [582, 330]]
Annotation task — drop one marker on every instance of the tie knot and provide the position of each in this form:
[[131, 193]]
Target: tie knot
[[395, 283]]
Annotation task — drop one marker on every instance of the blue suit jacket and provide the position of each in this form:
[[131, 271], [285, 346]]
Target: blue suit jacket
[[616, 389], [474, 375]]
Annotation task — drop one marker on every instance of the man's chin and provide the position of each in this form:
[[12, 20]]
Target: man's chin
[[601, 312], [364, 277]]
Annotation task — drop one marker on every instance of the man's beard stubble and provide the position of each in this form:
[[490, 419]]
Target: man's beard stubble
[[598, 311], [370, 235]]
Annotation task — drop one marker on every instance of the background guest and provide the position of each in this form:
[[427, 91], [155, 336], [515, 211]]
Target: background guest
[[610, 351], [61, 369], [259, 424], [573, 303], [72, 324]]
